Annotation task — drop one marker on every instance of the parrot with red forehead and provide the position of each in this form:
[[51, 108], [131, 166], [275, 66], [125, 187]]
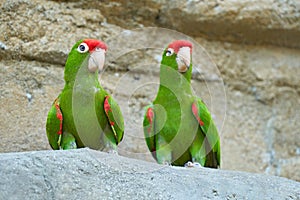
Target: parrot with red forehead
[[84, 114], [178, 127]]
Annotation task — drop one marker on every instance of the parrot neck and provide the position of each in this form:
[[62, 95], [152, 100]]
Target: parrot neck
[[83, 79], [76, 72], [173, 81]]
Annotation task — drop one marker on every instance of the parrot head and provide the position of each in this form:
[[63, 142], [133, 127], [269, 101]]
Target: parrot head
[[89, 53], [178, 55]]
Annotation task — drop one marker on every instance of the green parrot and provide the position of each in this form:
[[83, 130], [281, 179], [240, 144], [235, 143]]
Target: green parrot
[[178, 127], [84, 114]]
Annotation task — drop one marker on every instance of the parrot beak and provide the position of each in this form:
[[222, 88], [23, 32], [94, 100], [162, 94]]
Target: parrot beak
[[96, 60], [183, 59]]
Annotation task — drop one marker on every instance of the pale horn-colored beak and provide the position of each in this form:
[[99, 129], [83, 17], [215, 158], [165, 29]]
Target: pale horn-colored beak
[[96, 60], [183, 59]]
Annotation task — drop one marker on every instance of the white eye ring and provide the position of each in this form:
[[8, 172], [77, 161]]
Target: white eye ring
[[82, 48], [98, 49], [169, 52]]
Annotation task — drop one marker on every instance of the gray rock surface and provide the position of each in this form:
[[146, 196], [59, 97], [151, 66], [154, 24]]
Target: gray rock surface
[[89, 174], [253, 44]]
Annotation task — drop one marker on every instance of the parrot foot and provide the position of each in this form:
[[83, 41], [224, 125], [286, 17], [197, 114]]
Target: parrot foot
[[113, 151], [193, 164], [167, 163]]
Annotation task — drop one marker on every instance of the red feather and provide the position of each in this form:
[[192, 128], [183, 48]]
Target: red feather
[[176, 45], [196, 114], [95, 43], [150, 116], [107, 108], [59, 116]]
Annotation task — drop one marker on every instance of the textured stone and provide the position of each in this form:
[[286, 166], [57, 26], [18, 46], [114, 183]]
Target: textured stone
[[248, 22], [88, 174], [252, 90], [56, 27]]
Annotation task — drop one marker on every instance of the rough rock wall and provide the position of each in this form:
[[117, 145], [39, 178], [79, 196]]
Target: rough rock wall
[[273, 22], [88, 174], [255, 46]]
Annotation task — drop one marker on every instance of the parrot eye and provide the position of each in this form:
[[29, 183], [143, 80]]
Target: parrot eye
[[82, 48], [97, 49], [169, 52]]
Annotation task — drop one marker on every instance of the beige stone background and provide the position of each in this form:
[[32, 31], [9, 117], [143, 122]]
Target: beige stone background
[[252, 90]]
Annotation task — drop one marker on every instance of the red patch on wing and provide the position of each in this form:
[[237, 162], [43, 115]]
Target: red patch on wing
[[196, 114], [95, 43], [59, 116], [177, 44], [150, 116], [107, 109], [106, 105]]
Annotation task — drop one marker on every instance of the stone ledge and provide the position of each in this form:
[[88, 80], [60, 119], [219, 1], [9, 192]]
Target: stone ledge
[[270, 22], [89, 174]]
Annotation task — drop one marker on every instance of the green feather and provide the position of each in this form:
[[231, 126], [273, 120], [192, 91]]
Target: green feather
[[85, 123], [176, 135]]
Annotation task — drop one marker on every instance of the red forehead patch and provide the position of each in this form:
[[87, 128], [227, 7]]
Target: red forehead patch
[[177, 44], [95, 43]]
